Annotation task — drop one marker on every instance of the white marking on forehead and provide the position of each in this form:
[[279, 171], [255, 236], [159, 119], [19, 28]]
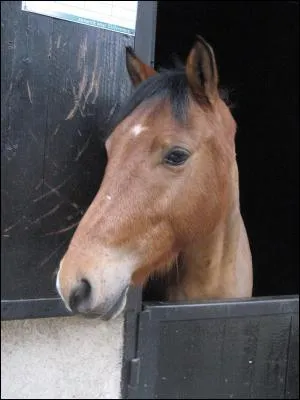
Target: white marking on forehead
[[108, 197], [137, 129]]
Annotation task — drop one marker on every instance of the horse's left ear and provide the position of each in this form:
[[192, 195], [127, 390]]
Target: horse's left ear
[[138, 71], [201, 71]]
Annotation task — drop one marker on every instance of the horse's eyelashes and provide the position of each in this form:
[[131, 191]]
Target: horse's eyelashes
[[176, 156]]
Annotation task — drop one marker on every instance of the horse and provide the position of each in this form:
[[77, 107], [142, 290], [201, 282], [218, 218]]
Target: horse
[[169, 196]]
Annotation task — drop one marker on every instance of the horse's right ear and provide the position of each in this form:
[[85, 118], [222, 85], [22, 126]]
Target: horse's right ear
[[138, 71], [201, 71]]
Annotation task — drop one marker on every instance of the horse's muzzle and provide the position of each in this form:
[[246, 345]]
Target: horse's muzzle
[[80, 302], [114, 310], [80, 296]]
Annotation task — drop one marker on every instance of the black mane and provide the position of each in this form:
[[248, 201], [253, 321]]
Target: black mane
[[167, 84]]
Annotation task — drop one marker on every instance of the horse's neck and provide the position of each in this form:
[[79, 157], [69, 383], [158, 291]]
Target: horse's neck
[[219, 266]]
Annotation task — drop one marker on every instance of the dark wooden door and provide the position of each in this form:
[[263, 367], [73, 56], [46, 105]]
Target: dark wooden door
[[60, 84], [217, 350]]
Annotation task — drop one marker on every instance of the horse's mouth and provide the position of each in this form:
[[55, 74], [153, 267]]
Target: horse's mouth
[[113, 312]]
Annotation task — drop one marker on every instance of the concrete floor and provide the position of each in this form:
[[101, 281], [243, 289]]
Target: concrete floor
[[61, 358]]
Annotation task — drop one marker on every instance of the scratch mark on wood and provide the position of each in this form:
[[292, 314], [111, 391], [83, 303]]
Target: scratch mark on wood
[[81, 111], [52, 253], [65, 200], [54, 163], [50, 48], [53, 190], [83, 82], [81, 65], [93, 81], [58, 42], [33, 136], [97, 87], [84, 147], [82, 53], [6, 236], [62, 230], [73, 86], [29, 92], [79, 133], [52, 211], [113, 109], [56, 130], [13, 225], [78, 96], [39, 184]]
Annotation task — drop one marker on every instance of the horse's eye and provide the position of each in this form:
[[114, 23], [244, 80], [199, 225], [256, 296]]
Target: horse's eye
[[176, 156]]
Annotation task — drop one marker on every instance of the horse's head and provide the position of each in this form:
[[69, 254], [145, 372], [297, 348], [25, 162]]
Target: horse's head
[[166, 181]]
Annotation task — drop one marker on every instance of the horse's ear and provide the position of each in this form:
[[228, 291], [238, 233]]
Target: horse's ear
[[138, 71], [201, 71]]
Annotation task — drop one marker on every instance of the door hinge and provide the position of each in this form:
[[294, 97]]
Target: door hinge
[[134, 376]]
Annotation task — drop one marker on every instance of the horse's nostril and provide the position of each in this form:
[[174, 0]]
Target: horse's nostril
[[81, 293]]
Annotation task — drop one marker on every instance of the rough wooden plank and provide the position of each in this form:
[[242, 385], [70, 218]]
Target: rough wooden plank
[[292, 375], [23, 139], [219, 355], [60, 80]]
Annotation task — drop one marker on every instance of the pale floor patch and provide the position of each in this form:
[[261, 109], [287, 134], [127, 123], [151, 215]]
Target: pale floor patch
[[61, 358]]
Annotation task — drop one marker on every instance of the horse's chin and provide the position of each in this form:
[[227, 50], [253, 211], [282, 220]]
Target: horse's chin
[[113, 312]]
